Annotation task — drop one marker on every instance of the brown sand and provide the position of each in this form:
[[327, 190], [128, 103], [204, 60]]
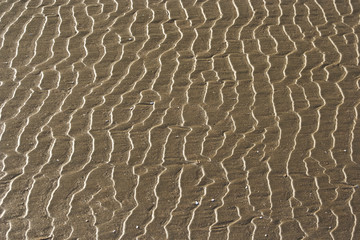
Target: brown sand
[[146, 119]]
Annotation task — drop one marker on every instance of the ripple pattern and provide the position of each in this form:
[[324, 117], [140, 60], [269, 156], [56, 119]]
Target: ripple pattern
[[179, 119]]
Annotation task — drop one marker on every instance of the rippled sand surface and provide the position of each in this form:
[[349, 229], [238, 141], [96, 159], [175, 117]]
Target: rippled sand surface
[[179, 119]]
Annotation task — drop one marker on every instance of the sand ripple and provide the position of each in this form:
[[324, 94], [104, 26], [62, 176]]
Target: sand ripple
[[215, 119]]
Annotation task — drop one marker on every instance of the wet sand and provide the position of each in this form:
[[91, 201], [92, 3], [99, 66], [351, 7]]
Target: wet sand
[[145, 119]]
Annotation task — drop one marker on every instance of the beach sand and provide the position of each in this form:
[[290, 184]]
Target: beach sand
[[179, 119]]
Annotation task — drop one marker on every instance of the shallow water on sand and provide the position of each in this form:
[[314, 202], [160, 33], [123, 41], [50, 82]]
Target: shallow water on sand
[[169, 119]]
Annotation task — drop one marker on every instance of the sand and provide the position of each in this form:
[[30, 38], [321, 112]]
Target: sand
[[145, 119]]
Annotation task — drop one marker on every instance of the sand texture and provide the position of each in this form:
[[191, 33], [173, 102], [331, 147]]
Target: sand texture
[[179, 119]]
